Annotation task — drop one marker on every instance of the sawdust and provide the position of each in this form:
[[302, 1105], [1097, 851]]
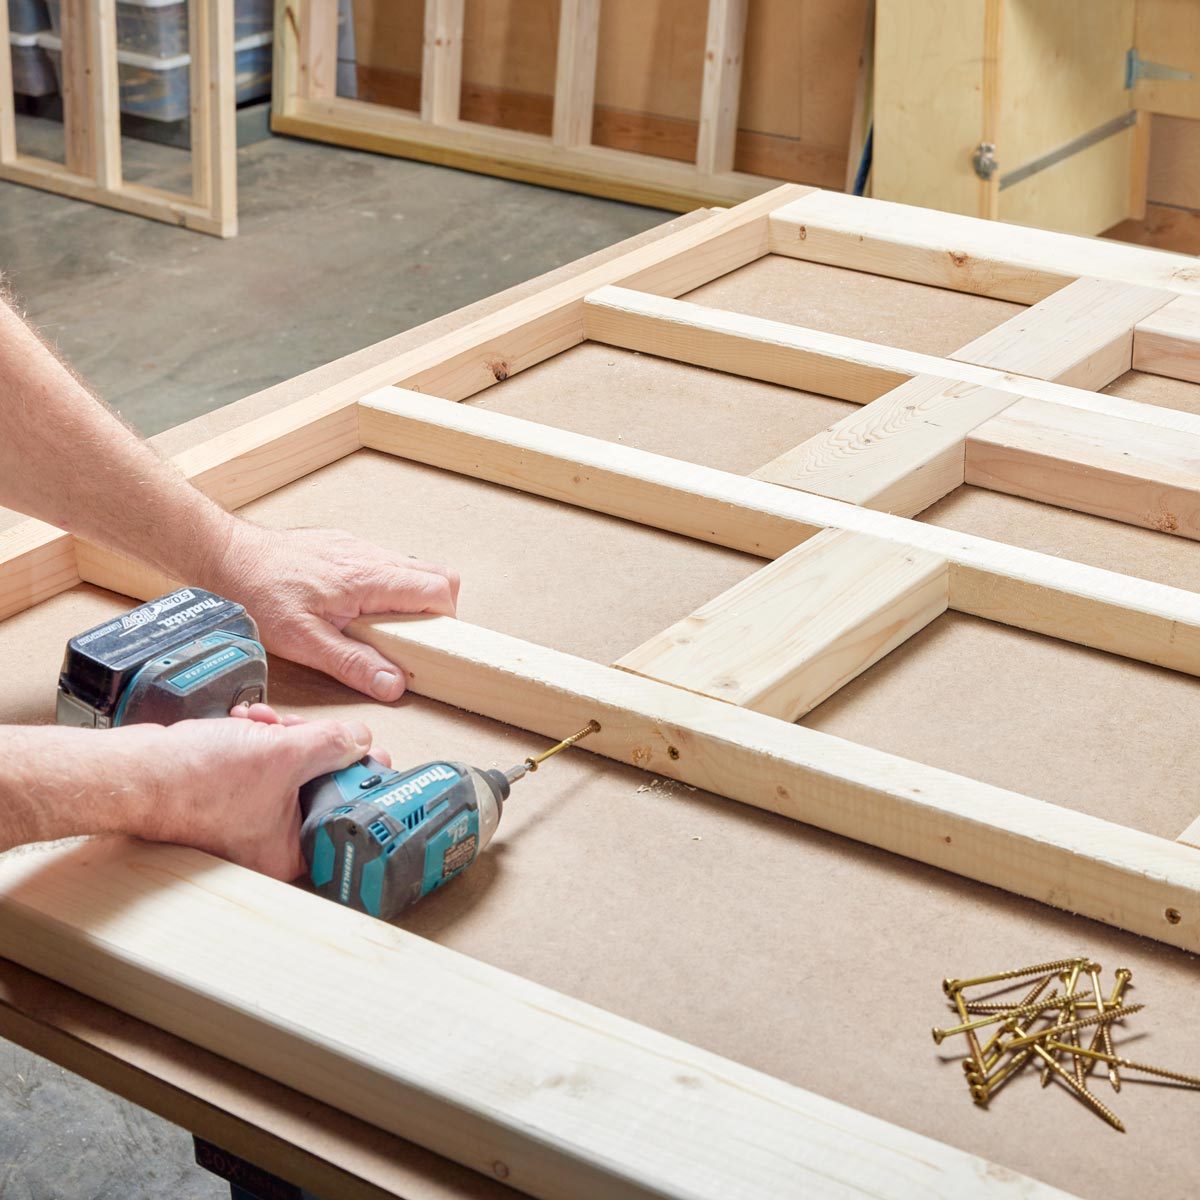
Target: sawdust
[[659, 785]]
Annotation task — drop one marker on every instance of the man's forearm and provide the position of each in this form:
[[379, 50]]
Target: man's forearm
[[57, 783], [67, 459]]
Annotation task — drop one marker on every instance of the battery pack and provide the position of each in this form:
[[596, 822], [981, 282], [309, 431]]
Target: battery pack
[[185, 655]]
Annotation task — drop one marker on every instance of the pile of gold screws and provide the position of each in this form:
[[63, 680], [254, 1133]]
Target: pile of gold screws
[[1042, 1029]]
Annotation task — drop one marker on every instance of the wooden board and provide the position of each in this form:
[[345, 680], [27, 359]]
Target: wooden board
[[1059, 852], [1168, 33]]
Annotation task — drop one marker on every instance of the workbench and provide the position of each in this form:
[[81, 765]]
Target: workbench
[[796, 952]]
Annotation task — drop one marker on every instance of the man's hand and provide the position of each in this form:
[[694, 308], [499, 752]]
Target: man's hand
[[231, 786], [304, 586], [226, 786], [66, 459]]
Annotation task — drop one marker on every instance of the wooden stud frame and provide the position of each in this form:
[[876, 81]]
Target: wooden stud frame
[[91, 169], [304, 33], [1012, 410]]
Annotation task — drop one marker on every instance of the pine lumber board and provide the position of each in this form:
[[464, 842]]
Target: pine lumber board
[[8, 125], [899, 454], [79, 130], [906, 450], [812, 360], [1167, 342], [555, 1097], [1061, 857], [142, 201], [721, 88], [966, 254], [103, 87], [441, 71], [1081, 335], [1038, 592], [596, 170], [788, 636], [316, 61], [575, 72], [1101, 465], [39, 562], [213, 87], [1191, 835]]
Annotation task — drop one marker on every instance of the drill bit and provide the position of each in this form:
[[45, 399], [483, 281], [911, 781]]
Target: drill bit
[[531, 764]]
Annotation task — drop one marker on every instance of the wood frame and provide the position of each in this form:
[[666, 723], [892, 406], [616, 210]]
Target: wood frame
[[567, 159], [92, 120], [485, 1098]]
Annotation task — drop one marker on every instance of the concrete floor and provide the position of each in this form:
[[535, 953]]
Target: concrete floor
[[337, 250]]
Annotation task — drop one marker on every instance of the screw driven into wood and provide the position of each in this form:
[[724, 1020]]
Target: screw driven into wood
[[950, 986], [532, 764]]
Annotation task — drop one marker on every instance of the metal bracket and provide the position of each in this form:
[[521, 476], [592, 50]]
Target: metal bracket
[[1069, 149], [1137, 68], [984, 160]]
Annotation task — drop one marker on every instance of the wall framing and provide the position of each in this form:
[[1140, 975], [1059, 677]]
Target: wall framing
[[566, 159], [91, 169], [83, 903]]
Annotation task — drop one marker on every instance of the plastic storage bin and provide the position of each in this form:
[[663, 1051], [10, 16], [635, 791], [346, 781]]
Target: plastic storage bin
[[159, 28], [27, 16], [32, 72], [157, 88]]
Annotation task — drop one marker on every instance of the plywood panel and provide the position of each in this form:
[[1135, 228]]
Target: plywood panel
[[1175, 162], [929, 121], [1168, 32], [1086, 194], [1063, 73]]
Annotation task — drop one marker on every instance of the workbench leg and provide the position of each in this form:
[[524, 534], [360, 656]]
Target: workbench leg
[[246, 1181]]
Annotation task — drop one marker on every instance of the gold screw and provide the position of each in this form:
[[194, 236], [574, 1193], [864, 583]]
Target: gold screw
[[995, 1006], [972, 1041], [1129, 1065], [1033, 993], [1070, 980], [983, 1091], [983, 1088], [1123, 976], [532, 764], [939, 1035], [1116, 1014], [950, 986], [1102, 1109]]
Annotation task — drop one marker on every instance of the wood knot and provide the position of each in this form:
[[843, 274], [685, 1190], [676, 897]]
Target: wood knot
[[958, 257], [499, 369], [802, 232]]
